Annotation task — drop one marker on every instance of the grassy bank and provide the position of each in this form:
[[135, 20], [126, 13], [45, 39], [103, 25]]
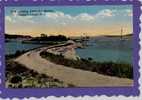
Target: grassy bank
[[18, 76], [107, 68]]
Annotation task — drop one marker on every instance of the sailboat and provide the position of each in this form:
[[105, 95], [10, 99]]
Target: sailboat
[[84, 41]]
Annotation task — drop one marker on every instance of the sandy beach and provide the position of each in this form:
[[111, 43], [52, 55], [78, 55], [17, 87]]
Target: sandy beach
[[77, 77]]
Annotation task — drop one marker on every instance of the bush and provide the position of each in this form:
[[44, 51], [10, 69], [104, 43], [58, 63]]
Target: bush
[[16, 79]]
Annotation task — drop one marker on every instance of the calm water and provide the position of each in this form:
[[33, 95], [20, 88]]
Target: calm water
[[14, 45], [108, 50]]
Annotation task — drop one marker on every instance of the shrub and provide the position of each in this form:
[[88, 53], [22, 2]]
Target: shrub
[[16, 79]]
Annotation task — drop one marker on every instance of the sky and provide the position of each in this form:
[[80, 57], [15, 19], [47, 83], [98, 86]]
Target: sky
[[69, 20]]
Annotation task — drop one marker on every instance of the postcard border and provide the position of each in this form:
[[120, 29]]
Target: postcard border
[[21, 93]]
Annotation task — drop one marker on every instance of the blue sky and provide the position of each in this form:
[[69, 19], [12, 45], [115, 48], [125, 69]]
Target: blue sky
[[73, 10], [71, 20]]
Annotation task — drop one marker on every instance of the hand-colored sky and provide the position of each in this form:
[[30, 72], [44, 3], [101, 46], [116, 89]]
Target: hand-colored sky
[[71, 20]]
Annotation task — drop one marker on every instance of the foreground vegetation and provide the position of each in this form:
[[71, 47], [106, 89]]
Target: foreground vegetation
[[107, 68], [18, 76]]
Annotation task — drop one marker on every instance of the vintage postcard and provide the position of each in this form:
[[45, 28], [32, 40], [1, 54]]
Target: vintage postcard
[[63, 47]]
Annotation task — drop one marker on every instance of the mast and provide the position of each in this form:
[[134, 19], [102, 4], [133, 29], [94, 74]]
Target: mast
[[121, 33]]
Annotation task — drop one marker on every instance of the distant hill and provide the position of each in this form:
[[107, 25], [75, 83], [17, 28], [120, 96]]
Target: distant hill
[[127, 35], [9, 36]]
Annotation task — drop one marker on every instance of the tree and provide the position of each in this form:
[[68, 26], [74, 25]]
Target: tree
[[43, 35]]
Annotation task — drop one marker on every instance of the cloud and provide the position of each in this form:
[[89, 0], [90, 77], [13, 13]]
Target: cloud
[[9, 19], [61, 15], [18, 19], [85, 17], [114, 13], [54, 15], [105, 13], [129, 12]]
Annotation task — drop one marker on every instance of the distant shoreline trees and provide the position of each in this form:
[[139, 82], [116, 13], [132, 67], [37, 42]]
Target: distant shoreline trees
[[44, 37], [14, 36]]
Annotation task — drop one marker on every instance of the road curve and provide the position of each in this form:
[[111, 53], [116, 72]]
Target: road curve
[[77, 77]]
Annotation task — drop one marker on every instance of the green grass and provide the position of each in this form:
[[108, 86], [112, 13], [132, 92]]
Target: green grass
[[107, 68]]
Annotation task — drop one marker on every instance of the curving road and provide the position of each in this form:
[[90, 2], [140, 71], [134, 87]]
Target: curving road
[[77, 77]]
